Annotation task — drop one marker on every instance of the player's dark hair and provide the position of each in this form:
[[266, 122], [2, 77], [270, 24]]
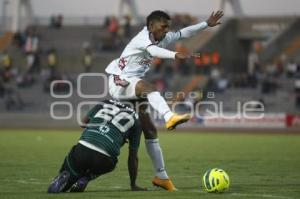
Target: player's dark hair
[[157, 15]]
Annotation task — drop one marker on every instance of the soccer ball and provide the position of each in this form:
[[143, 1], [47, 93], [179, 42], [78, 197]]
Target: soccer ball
[[215, 180]]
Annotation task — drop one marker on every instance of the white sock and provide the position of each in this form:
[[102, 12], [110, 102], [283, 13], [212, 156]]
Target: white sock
[[160, 105], [155, 153]]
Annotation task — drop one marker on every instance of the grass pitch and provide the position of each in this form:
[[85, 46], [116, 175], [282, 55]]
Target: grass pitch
[[259, 166]]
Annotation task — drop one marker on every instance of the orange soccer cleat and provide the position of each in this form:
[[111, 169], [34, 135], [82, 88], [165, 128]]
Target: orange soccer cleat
[[176, 120], [164, 183]]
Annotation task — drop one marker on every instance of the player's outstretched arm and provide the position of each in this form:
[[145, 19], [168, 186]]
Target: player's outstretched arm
[[162, 53], [213, 20], [133, 163]]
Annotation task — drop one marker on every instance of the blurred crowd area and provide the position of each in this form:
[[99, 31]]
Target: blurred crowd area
[[39, 55]]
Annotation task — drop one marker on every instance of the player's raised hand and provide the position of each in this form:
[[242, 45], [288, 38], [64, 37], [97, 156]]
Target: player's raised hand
[[214, 18]]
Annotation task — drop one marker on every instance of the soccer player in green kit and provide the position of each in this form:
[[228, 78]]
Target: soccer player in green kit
[[109, 125]]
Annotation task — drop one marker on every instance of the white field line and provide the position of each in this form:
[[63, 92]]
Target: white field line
[[24, 181], [260, 195], [35, 181], [252, 195]]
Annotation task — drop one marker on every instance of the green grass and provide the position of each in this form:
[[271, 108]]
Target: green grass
[[259, 166]]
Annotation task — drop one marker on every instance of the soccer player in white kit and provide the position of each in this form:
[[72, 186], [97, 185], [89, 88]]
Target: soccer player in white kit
[[126, 80]]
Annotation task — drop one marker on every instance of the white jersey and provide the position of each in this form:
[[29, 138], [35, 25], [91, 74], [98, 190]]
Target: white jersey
[[135, 60]]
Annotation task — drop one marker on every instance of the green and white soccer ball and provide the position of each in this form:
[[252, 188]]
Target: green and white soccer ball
[[215, 180]]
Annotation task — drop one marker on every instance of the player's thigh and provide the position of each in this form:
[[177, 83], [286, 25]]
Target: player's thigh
[[80, 159], [143, 88], [71, 165], [101, 164], [123, 93], [88, 161]]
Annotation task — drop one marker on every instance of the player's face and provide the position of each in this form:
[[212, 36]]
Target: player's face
[[159, 29]]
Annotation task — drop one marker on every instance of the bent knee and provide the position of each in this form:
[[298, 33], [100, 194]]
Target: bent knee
[[150, 133], [143, 88], [143, 109]]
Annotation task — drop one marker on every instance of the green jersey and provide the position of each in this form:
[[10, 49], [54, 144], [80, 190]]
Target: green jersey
[[110, 125]]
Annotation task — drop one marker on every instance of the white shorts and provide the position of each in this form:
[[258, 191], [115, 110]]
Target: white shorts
[[120, 92]]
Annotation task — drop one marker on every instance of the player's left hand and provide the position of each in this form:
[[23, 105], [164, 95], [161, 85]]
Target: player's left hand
[[187, 55], [214, 18], [195, 55], [182, 55], [137, 188]]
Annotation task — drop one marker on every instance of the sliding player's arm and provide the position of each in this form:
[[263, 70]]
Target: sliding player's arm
[[90, 115], [133, 161], [85, 120]]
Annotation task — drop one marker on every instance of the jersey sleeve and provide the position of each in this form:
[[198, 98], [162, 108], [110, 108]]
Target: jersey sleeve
[[142, 43], [136, 46], [172, 37], [135, 136], [139, 43], [193, 29], [156, 51]]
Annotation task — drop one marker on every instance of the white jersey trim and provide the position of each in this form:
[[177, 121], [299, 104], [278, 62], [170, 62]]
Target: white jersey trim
[[93, 147]]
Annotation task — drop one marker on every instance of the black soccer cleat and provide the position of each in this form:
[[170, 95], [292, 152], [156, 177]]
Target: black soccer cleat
[[59, 183], [80, 185]]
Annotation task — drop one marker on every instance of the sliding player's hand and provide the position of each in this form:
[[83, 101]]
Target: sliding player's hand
[[137, 188], [214, 18]]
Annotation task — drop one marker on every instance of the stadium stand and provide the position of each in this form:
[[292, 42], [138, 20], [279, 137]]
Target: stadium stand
[[227, 77]]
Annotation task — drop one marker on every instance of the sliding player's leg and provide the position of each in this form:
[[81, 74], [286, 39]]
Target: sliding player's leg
[[60, 183], [98, 164], [67, 175], [81, 184]]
